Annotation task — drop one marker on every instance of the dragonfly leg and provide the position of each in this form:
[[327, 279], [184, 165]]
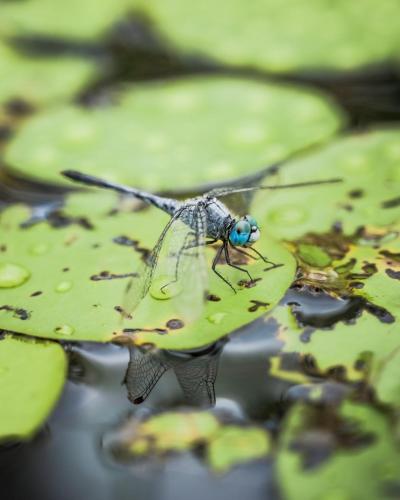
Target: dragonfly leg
[[185, 246], [228, 260], [243, 252], [273, 265], [214, 265]]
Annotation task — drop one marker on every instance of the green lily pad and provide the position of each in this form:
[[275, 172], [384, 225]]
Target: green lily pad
[[349, 455], [226, 445], [364, 345], [205, 129], [234, 445], [369, 166], [75, 19], [32, 375], [356, 348], [385, 378], [28, 78], [80, 262], [313, 255], [316, 34]]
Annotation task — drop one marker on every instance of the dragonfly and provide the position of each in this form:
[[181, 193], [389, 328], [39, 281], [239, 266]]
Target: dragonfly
[[177, 260]]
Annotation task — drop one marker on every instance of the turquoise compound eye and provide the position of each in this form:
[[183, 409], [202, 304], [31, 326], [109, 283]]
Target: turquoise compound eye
[[252, 221], [240, 233]]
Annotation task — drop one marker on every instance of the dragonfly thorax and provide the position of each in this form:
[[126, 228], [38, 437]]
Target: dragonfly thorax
[[244, 232]]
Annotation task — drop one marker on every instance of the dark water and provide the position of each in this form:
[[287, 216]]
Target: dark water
[[72, 457]]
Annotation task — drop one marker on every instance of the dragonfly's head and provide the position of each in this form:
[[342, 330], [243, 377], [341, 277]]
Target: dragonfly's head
[[244, 232]]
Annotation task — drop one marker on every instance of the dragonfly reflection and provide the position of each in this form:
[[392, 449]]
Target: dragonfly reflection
[[196, 372]]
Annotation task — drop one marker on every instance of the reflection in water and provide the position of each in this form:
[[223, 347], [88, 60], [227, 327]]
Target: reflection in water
[[195, 370]]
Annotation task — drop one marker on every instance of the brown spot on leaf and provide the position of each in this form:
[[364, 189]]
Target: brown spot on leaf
[[393, 203], [391, 255], [175, 324], [35, 294], [160, 331], [379, 312], [19, 313], [393, 274], [129, 242], [18, 107], [106, 275], [256, 305], [356, 194], [213, 298]]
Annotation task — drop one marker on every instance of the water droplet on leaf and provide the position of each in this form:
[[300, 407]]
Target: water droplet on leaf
[[216, 318], [39, 249], [12, 275], [64, 330], [64, 286]]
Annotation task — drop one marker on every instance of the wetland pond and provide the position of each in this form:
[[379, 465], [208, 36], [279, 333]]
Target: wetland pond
[[288, 388]]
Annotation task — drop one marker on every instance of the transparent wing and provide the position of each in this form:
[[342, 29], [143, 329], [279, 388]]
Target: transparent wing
[[143, 372], [197, 379], [139, 286], [227, 191], [176, 268], [181, 273]]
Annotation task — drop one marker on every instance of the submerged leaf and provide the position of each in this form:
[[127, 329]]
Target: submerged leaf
[[175, 431], [225, 445], [234, 445]]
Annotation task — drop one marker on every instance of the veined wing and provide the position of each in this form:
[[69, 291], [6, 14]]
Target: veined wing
[[176, 268], [181, 273], [139, 286], [143, 372], [227, 191], [197, 378]]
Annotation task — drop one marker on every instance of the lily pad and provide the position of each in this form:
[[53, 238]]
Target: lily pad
[[28, 78], [369, 194], [75, 19], [350, 454], [81, 259], [173, 432], [32, 375], [364, 342], [280, 37], [226, 445], [207, 129], [235, 444]]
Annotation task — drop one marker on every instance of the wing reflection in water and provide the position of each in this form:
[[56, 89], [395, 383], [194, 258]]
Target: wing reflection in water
[[196, 372]]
